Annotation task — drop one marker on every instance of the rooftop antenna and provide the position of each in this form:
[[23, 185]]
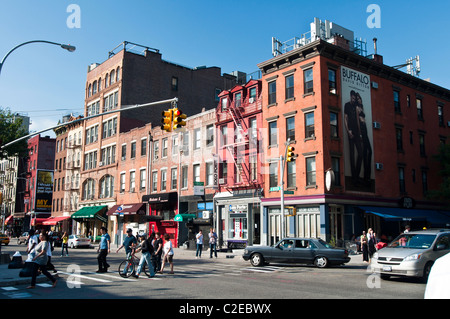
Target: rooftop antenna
[[412, 66]]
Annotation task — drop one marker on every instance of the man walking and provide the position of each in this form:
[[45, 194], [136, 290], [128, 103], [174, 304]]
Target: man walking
[[104, 249], [212, 243]]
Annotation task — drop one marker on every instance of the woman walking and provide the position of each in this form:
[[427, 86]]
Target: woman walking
[[65, 244], [199, 238], [40, 261], [168, 254]]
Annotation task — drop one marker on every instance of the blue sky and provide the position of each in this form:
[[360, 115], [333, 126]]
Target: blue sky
[[47, 82]]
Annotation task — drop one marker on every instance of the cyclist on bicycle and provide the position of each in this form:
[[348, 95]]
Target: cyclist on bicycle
[[147, 252], [129, 243]]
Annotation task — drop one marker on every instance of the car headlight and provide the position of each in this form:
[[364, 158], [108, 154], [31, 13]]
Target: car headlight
[[245, 251], [412, 257]]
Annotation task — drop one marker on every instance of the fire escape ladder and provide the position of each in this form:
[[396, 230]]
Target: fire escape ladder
[[237, 152], [238, 120]]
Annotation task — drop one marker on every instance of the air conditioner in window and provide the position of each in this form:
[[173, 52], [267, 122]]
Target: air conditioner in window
[[377, 125], [221, 181], [251, 100], [100, 164], [379, 166]]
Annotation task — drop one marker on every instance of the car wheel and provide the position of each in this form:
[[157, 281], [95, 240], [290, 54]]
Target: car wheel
[[426, 271], [72, 246], [321, 262], [256, 260]]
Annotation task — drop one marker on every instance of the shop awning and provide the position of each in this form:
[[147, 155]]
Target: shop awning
[[127, 209], [184, 217], [434, 217], [90, 212], [37, 221], [9, 220], [52, 221]]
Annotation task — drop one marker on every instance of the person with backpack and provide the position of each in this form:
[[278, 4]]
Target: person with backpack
[[147, 252]]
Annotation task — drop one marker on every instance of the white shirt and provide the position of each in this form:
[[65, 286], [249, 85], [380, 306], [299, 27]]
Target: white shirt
[[199, 238], [33, 240], [438, 285], [168, 247]]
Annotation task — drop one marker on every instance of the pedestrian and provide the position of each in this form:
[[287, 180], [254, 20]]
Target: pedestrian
[[40, 261], [407, 229], [64, 244], [129, 243], [364, 247], [50, 266], [104, 249], [212, 243], [371, 243], [199, 238], [158, 250], [146, 248], [168, 254], [32, 243]]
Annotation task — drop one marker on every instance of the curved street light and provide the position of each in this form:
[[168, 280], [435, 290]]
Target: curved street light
[[67, 47]]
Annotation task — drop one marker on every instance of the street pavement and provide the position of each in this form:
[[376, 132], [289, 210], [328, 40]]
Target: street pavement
[[10, 277]]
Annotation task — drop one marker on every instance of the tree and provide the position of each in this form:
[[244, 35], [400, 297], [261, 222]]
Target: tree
[[11, 129]]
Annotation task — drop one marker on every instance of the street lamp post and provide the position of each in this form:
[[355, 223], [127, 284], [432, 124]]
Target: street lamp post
[[67, 47]]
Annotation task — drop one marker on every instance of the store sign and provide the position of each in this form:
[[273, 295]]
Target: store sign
[[44, 191], [239, 207], [199, 188]]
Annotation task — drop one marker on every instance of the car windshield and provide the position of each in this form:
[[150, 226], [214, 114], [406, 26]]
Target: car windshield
[[323, 243], [417, 241]]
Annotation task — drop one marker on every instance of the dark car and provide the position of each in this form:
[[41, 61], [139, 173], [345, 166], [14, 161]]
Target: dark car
[[297, 250]]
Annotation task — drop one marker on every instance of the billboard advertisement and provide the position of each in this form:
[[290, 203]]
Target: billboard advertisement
[[44, 191], [358, 135]]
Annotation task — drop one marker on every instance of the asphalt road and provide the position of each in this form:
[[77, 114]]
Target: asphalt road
[[212, 279]]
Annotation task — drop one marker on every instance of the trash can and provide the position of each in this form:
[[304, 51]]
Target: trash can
[[16, 261]]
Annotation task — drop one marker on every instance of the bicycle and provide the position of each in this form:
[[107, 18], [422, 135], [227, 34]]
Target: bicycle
[[130, 265]]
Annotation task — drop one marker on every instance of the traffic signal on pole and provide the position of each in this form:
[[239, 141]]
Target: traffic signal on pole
[[167, 120], [178, 119], [290, 155]]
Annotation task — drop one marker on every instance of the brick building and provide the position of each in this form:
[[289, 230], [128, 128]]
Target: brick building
[[364, 134]]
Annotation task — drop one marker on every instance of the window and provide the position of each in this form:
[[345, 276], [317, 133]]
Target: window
[[401, 179], [397, 101], [273, 138], [290, 128], [253, 162], [196, 170], [108, 155], [142, 178], [132, 181], [88, 189], [185, 148], [335, 166], [399, 137], [184, 177], [144, 147], [107, 186], [272, 92], [109, 128], [273, 174], [441, 115], [93, 109], [210, 173], [252, 93], [154, 181], [422, 145], [308, 79], [310, 171], [424, 182], [155, 150], [210, 135], [112, 77], [124, 152], [90, 160], [223, 171], [224, 104], [238, 99], [173, 178], [174, 83], [334, 128], [419, 109], [133, 149], [165, 145], [163, 180], [94, 88], [174, 145], [197, 139], [291, 174], [290, 87], [237, 174], [332, 81], [309, 124], [122, 182], [223, 130]]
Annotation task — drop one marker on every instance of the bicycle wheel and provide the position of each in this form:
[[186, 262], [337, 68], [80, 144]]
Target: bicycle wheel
[[146, 270], [126, 268]]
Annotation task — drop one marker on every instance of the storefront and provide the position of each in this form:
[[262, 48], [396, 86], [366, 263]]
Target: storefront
[[58, 224], [238, 218], [89, 220], [161, 213], [123, 217]]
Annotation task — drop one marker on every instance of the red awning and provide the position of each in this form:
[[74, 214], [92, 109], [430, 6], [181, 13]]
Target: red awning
[[9, 219], [52, 221], [37, 221], [127, 209]]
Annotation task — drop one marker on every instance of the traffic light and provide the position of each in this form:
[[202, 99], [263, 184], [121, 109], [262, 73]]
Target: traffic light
[[178, 119], [167, 120], [290, 155]]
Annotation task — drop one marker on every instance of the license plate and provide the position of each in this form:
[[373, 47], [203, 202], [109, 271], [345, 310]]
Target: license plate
[[387, 268]]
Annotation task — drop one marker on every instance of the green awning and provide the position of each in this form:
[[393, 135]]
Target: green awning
[[184, 217], [91, 212]]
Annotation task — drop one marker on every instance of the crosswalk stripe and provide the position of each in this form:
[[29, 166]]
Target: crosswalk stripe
[[82, 276], [9, 288]]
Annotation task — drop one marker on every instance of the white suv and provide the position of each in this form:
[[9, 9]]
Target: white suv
[[411, 254]]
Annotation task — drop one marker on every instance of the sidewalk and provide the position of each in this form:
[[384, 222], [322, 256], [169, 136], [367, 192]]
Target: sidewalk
[[10, 277]]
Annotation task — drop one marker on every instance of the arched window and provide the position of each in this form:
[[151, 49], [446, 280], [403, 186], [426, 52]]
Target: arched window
[[94, 88], [89, 90], [118, 74], [99, 84], [112, 77], [107, 186], [88, 189], [106, 80]]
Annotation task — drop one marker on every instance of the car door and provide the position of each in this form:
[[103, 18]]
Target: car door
[[283, 251], [303, 251], [442, 246]]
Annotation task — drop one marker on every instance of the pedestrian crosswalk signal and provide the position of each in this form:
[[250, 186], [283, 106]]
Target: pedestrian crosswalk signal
[[178, 119], [290, 155], [167, 120]]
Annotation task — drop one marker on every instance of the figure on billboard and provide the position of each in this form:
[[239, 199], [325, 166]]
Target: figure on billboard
[[352, 126], [366, 147]]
